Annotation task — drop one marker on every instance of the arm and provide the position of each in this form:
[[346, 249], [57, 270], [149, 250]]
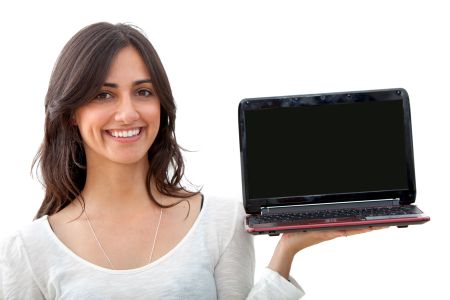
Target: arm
[[235, 269]]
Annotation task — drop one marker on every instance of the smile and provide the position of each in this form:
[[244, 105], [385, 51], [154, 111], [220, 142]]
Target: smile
[[124, 133]]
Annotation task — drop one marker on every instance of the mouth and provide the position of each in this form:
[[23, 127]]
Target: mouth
[[125, 135]]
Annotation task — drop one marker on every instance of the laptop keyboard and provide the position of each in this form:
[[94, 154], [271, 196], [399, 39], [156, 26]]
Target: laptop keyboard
[[360, 213]]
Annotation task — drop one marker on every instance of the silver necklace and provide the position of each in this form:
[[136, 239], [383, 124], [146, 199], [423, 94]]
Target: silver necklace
[[103, 250]]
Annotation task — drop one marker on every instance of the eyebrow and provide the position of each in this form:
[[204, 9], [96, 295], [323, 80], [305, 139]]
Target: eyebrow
[[137, 82]]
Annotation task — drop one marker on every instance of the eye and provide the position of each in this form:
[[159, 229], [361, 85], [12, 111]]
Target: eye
[[103, 96], [144, 93]]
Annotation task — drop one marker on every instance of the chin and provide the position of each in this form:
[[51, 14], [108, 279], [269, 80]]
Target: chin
[[130, 159]]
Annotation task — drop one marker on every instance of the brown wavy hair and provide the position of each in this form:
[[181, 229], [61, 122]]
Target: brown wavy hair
[[77, 76]]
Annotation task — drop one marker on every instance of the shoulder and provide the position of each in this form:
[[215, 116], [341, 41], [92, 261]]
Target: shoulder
[[226, 210], [12, 257], [224, 216], [10, 246], [17, 277], [16, 247], [15, 239], [15, 260], [34, 232]]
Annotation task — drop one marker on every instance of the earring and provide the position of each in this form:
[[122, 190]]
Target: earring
[[78, 155]]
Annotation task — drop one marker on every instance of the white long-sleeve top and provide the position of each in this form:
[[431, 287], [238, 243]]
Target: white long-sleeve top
[[215, 260]]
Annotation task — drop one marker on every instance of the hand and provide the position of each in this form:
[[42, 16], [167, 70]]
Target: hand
[[295, 241]]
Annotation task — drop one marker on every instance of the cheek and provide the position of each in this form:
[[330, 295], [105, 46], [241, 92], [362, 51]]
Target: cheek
[[89, 123], [153, 114]]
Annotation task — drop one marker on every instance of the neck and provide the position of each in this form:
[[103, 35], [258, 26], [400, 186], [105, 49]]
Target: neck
[[115, 189]]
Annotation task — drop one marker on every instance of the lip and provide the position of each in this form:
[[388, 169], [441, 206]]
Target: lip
[[125, 139]]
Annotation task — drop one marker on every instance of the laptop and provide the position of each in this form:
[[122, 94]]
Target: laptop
[[329, 161]]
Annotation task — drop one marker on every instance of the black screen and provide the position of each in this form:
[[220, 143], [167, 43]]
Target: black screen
[[325, 149]]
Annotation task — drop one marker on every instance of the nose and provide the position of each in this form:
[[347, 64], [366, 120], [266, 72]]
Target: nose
[[126, 111]]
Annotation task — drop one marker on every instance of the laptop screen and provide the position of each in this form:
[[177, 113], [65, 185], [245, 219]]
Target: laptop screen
[[336, 148]]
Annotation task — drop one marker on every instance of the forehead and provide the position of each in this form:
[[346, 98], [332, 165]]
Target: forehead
[[127, 65]]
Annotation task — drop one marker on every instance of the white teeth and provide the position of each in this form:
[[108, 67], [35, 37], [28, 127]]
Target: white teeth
[[127, 133]]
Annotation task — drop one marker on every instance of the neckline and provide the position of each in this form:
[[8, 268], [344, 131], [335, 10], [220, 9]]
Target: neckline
[[161, 259]]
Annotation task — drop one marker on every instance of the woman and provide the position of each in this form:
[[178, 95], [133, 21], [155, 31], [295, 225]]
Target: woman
[[115, 222]]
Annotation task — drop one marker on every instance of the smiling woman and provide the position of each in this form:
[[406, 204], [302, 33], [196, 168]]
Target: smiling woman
[[115, 222], [90, 84]]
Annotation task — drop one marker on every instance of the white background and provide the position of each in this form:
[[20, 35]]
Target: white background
[[217, 53]]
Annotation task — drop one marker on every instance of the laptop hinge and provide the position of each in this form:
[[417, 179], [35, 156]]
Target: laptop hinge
[[327, 206]]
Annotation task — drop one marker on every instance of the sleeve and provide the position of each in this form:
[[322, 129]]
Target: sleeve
[[236, 267], [272, 285], [16, 278]]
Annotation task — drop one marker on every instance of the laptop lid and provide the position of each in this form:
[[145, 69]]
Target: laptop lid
[[326, 148]]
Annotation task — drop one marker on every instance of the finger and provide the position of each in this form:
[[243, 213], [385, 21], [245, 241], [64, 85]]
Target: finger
[[357, 231], [380, 227], [363, 230]]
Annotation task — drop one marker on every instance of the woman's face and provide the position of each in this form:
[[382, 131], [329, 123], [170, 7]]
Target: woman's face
[[120, 124]]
